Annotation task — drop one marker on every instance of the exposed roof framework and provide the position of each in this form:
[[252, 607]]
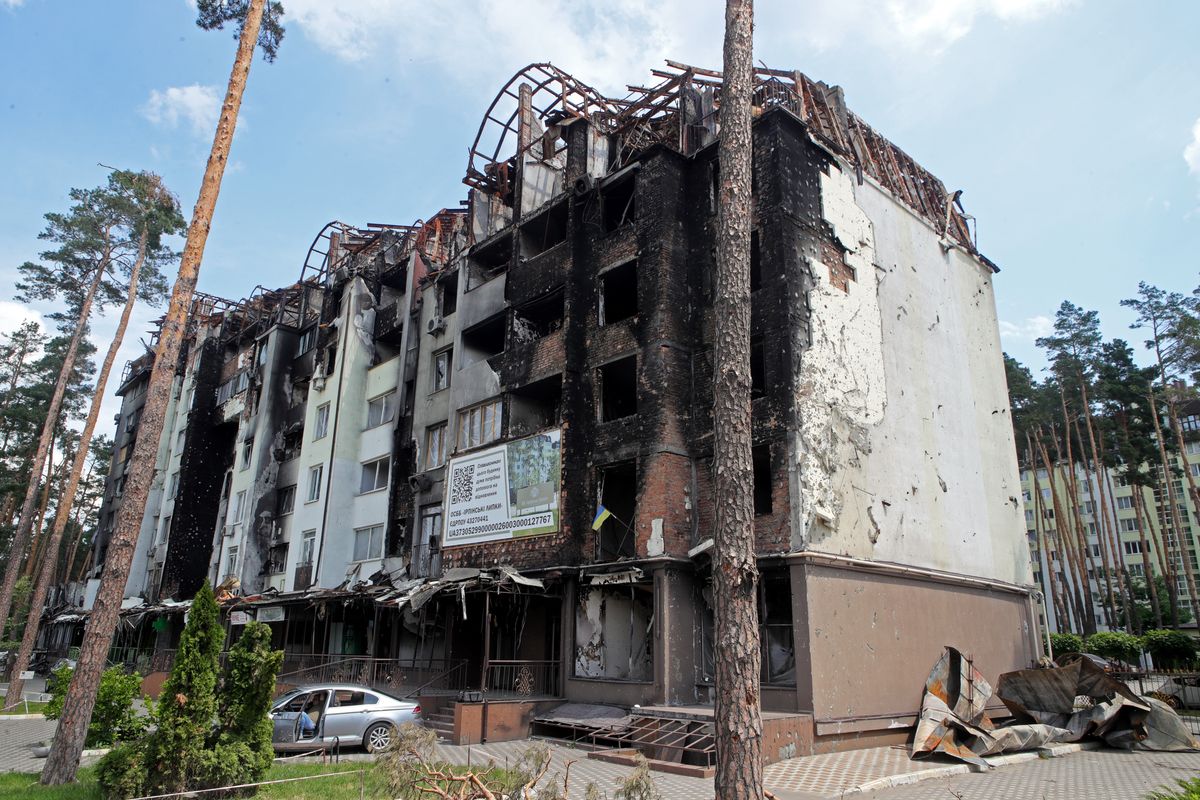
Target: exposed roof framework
[[687, 98]]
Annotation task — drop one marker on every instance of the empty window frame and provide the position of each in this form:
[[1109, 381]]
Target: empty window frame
[[618, 204], [755, 262], [435, 446], [479, 424], [443, 361], [489, 260], [540, 318], [616, 490], [375, 475], [535, 406], [619, 293], [285, 500], [544, 231], [314, 483], [761, 457], [776, 632], [321, 424], [368, 543], [448, 294], [381, 409], [431, 527], [617, 387], [758, 380], [483, 341]]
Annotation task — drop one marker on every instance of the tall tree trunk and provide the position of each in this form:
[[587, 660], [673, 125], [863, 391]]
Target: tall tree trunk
[[1081, 588], [63, 760], [1187, 540], [1051, 553], [68, 567], [735, 572], [67, 500], [36, 535], [1106, 606], [1173, 508], [1147, 564], [1099, 495], [1108, 555], [21, 535]]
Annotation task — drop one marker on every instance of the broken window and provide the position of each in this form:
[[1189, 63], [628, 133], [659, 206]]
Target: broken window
[[535, 406], [614, 632], [544, 231], [775, 629], [488, 260], [540, 318], [448, 294], [616, 491], [761, 456], [375, 475], [396, 536], [619, 293], [483, 341], [617, 387], [442, 361], [618, 204], [479, 424], [758, 386]]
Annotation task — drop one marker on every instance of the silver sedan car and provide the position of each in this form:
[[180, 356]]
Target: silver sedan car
[[328, 715]]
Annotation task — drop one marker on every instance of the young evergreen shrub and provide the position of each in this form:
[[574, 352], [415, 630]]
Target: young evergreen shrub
[[1189, 789], [245, 702], [1117, 645], [187, 707], [1066, 643], [1170, 649], [121, 773]]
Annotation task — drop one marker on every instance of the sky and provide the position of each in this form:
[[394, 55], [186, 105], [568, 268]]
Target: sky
[[1073, 126]]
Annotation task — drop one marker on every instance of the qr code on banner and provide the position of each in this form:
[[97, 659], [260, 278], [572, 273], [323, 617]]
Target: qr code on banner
[[462, 489]]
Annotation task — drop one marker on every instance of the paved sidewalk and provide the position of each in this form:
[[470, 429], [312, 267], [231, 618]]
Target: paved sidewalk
[[17, 736]]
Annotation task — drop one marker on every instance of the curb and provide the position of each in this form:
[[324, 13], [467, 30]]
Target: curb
[[1053, 751], [21, 716]]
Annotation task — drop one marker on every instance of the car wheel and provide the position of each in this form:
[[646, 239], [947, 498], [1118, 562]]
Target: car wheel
[[379, 737]]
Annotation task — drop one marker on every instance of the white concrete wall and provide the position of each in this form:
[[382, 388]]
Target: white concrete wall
[[904, 445]]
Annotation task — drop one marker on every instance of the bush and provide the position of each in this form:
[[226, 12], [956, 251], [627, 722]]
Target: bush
[[122, 771], [1066, 643], [1116, 645], [1188, 790], [114, 719], [245, 701], [1170, 648]]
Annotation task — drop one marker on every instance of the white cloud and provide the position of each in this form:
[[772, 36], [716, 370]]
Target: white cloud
[[11, 3], [195, 105], [609, 44], [13, 315], [1191, 153], [1032, 328]]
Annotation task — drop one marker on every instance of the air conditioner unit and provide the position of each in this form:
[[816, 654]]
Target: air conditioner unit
[[419, 482], [436, 324], [583, 185]]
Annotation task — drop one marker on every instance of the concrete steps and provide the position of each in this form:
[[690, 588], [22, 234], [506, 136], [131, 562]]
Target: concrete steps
[[442, 722]]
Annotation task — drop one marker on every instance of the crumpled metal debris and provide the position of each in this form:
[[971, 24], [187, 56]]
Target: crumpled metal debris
[[1060, 704], [953, 719]]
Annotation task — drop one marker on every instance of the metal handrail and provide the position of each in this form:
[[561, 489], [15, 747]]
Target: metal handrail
[[461, 665]]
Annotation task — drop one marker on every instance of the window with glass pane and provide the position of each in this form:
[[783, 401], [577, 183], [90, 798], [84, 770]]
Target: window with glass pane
[[381, 409], [314, 482], [441, 369], [368, 543], [247, 449], [231, 561], [285, 500], [435, 446], [374, 475], [431, 525], [479, 425], [321, 425], [308, 340], [239, 508], [174, 486], [308, 547]]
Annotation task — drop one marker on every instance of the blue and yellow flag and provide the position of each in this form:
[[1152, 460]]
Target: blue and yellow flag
[[601, 514]]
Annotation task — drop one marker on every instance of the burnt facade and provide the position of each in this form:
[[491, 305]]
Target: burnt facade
[[570, 304]]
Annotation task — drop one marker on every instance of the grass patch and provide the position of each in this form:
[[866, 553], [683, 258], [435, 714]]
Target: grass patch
[[34, 708], [25, 786]]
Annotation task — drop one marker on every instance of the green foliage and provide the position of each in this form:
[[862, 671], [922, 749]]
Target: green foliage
[[187, 706], [1115, 644], [121, 773], [1170, 648], [1066, 643], [215, 13], [638, 785], [1189, 789], [245, 703], [114, 718], [20, 608]]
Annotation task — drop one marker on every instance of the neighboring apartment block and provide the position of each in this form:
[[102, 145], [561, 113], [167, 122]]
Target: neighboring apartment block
[[476, 452]]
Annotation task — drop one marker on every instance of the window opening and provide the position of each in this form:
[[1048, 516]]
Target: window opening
[[488, 261], [761, 456], [540, 318], [479, 424], [617, 492], [285, 501], [435, 446], [321, 426], [483, 341], [544, 231], [535, 406], [442, 362], [775, 629], [368, 543], [618, 204], [308, 547], [757, 364], [755, 262], [619, 293], [448, 294], [618, 389], [375, 475], [314, 482], [381, 409]]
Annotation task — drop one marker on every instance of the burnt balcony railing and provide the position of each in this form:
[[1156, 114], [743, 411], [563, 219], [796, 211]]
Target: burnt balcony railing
[[394, 676], [516, 679]]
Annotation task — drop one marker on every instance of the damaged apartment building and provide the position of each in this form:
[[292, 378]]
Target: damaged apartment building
[[475, 453]]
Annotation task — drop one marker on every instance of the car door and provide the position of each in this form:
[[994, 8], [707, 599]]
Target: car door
[[285, 721], [345, 717]]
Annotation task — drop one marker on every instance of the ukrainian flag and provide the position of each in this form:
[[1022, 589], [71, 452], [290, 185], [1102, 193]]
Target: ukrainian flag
[[601, 514]]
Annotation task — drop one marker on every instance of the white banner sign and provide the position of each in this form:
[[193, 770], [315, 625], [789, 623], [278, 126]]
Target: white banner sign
[[270, 614], [238, 617], [504, 492]]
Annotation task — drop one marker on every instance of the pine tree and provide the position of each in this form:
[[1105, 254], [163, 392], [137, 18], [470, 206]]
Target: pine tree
[[248, 16]]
